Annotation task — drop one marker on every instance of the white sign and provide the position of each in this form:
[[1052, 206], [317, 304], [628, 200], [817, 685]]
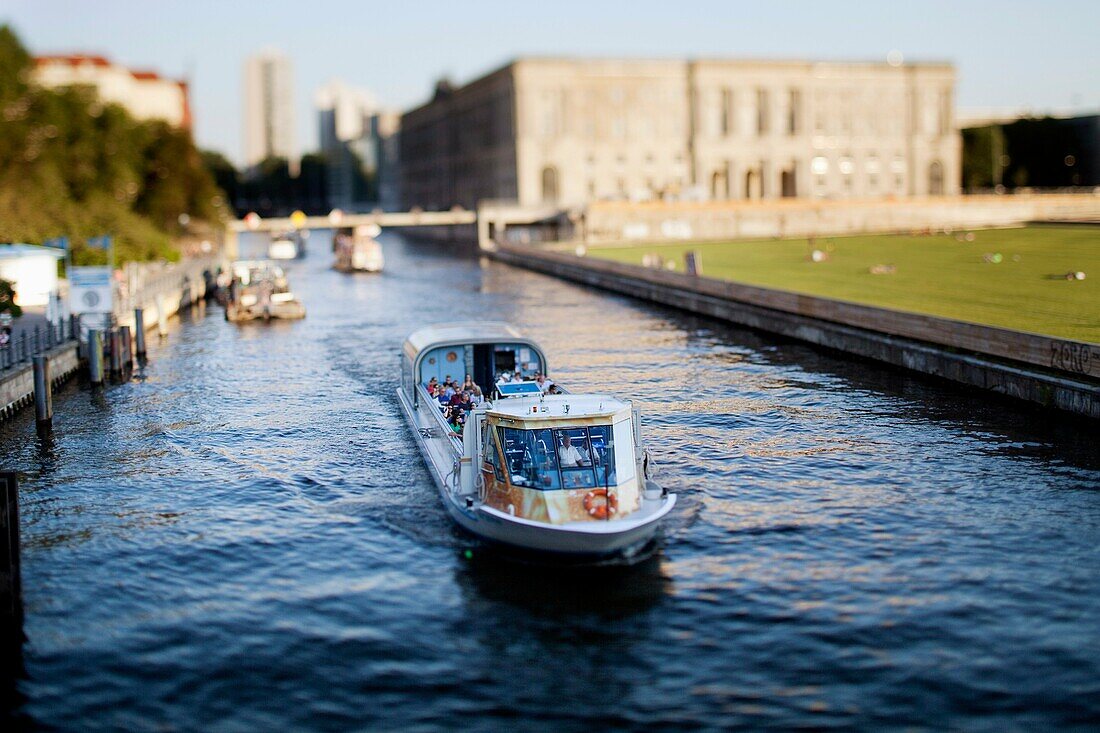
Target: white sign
[[91, 290]]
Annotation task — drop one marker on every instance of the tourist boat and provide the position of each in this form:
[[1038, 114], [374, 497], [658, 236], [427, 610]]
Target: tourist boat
[[286, 246], [359, 251], [260, 290], [555, 473]]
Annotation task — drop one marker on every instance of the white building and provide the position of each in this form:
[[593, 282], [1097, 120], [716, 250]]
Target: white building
[[145, 94], [31, 270], [269, 109]]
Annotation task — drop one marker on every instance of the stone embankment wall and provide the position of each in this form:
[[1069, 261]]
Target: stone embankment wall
[[161, 289], [658, 221], [1053, 372], [17, 385], [167, 287]]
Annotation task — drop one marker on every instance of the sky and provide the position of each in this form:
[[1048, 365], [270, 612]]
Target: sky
[[1010, 55]]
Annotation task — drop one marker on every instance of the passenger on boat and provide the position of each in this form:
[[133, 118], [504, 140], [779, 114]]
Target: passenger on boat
[[570, 455], [543, 382], [470, 386], [554, 389], [432, 384]]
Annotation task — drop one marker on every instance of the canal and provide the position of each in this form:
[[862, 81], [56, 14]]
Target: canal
[[245, 537]]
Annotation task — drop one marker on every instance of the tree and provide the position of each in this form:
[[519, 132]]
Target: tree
[[7, 299], [71, 164]]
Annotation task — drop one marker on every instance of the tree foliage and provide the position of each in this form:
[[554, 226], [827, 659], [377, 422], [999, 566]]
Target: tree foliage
[[71, 165], [7, 299]]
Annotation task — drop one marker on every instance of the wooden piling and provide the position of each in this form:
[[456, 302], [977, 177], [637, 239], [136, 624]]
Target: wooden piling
[[95, 356], [11, 585], [114, 340], [127, 348], [43, 394], [139, 332], [162, 317]]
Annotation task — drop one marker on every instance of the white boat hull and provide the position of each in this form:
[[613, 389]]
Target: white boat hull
[[620, 537]]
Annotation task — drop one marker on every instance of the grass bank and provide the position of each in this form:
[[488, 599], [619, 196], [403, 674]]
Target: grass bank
[[1011, 278]]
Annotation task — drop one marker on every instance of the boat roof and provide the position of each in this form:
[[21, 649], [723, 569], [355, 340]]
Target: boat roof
[[559, 406], [472, 332]]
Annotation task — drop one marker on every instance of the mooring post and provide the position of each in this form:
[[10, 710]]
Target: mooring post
[[162, 318], [114, 340], [74, 333], [139, 332], [95, 356], [43, 394], [127, 348], [11, 586]]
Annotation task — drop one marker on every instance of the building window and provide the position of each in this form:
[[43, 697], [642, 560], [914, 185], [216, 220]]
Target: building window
[[719, 186], [550, 184], [820, 166], [727, 112], [845, 166], [935, 178], [872, 167], [794, 112], [762, 120], [789, 182]]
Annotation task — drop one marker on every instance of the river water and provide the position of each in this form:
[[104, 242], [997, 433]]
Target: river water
[[245, 538]]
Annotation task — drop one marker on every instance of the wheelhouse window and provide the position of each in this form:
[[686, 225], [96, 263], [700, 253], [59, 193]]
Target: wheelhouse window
[[530, 458], [570, 458]]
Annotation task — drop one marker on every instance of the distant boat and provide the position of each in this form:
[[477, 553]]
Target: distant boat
[[555, 473], [260, 290], [359, 251], [286, 246]]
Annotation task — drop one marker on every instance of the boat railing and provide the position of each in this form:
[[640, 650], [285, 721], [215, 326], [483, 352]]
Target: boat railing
[[456, 438]]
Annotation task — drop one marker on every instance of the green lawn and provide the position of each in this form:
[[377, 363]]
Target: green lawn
[[1013, 278]]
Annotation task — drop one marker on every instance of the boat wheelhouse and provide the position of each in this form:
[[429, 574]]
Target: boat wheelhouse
[[552, 472]]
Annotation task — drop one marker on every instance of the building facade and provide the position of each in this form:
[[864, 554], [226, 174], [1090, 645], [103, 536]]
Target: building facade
[[269, 110], [567, 131], [145, 94]]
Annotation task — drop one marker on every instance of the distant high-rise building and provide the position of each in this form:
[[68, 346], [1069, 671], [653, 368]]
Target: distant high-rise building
[[359, 143], [343, 113], [269, 110], [145, 94]]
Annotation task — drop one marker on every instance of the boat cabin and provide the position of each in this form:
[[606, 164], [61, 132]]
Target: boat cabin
[[560, 458], [483, 350], [548, 458]]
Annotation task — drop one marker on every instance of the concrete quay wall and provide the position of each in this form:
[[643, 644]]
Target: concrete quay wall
[[1052, 372], [17, 386], [660, 221], [171, 286]]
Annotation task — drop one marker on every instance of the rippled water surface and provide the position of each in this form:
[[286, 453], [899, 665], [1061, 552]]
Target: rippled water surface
[[245, 537]]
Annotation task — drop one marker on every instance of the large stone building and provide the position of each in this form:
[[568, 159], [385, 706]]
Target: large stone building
[[566, 131], [145, 94]]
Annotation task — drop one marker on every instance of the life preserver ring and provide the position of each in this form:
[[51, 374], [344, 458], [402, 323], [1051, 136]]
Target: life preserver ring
[[599, 510]]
